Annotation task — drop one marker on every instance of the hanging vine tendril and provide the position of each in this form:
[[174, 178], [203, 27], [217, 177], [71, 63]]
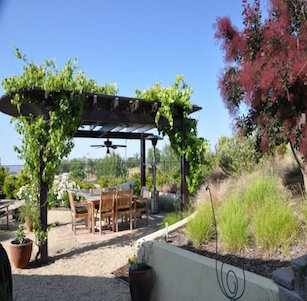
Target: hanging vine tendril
[[231, 292]]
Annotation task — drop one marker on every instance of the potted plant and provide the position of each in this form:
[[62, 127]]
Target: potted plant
[[21, 249], [26, 214], [140, 277]]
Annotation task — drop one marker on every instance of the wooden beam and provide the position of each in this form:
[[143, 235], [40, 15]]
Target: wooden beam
[[92, 126], [94, 101], [111, 135], [114, 103], [154, 107], [134, 127], [119, 128], [145, 128], [105, 129], [95, 116], [134, 106]]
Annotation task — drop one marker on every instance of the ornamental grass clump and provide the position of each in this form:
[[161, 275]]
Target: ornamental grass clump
[[258, 189], [275, 226], [232, 224], [200, 228]]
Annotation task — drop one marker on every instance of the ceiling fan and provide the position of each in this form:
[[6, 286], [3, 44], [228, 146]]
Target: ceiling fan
[[108, 144]]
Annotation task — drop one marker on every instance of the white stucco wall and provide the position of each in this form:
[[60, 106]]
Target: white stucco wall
[[181, 275]]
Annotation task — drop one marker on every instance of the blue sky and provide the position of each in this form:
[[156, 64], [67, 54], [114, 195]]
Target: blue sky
[[132, 43]]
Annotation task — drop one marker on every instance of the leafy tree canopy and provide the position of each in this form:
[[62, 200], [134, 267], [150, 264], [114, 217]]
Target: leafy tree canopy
[[266, 69]]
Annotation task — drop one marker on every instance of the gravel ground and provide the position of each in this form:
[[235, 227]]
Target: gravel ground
[[80, 266]]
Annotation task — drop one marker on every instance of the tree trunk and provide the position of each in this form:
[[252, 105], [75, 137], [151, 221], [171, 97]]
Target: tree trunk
[[303, 167], [304, 172]]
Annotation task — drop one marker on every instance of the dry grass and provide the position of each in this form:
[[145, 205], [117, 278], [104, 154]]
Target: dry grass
[[257, 209]]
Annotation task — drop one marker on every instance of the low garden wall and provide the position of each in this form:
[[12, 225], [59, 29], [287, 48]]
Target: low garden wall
[[186, 276]]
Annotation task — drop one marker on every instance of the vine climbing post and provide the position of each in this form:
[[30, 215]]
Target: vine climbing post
[[43, 195], [184, 168], [143, 166]]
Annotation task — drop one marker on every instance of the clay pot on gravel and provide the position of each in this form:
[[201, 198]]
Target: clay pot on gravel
[[21, 253], [141, 282]]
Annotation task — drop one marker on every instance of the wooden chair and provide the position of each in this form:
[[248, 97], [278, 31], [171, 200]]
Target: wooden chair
[[142, 203], [123, 206], [106, 208], [78, 211]]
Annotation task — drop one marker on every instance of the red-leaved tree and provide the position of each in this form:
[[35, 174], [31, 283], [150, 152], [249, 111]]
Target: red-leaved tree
[[266, 69]]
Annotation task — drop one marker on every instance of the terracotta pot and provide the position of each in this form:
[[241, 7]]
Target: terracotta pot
[[141, 282], [21, 253]]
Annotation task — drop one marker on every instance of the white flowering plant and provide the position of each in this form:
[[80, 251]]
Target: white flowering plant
[[58, 195]]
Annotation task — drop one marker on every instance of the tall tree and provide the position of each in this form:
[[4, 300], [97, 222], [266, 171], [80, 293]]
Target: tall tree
[[266, 69]]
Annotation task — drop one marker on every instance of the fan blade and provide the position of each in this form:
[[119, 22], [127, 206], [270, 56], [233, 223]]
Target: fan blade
[[113, 146], [98, 145], [120, 145]]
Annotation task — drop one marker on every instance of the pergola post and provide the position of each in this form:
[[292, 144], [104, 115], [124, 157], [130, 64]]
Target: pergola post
[[43, 195], [143, 159], [184, 171]]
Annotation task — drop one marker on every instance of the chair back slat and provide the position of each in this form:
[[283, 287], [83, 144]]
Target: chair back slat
[[123, 199], [107, 200]]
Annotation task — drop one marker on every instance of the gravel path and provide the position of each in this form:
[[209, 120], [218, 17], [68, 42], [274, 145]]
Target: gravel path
[[80, 266]]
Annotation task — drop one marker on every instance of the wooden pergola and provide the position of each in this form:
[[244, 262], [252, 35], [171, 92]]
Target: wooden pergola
[[108, 116]]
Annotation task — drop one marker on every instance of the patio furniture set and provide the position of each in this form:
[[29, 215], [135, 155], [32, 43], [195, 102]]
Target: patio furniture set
[[108, 206]]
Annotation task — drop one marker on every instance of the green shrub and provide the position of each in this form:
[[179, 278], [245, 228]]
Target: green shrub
[[172, 218], [77, 169], [169, 203], [236, 155], [274, 226], [199, 229], [137, 186], [84, 184], [10, 187], [2, 178], [162, 178], [232, 224], [108, 181]]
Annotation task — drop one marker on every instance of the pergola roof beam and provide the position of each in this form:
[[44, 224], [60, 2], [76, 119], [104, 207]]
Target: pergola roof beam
[[134, 127], [119, 128], [145, 128], [111, 135], [95, 116], [106, 128]]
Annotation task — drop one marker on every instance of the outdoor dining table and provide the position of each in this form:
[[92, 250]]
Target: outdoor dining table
[[93, 200]]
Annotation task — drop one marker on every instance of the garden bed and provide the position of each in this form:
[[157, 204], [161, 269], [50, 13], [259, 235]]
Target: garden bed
[[252, 260]]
